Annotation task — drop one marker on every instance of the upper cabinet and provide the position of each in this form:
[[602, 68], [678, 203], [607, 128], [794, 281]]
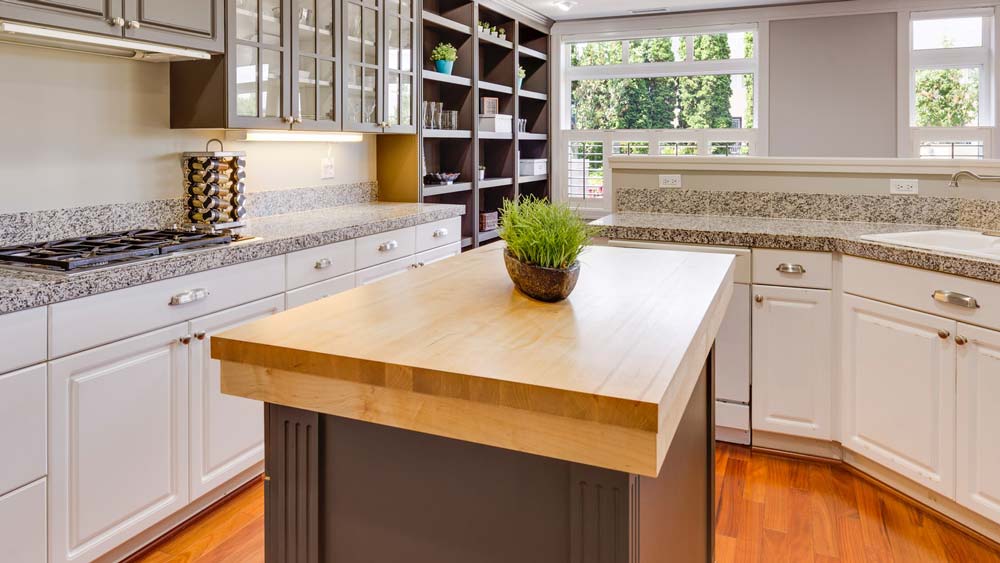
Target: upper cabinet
[[195, 24], [315, 56], [380, 81]]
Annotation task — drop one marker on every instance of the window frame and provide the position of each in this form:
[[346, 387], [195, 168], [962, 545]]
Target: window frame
[[982, 57], [704, 138]]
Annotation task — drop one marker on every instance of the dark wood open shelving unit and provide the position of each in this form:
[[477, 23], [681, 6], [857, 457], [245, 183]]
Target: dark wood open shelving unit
[[486, 66]]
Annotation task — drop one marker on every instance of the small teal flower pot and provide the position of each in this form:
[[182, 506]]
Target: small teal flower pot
[[444, 67], [519, 82]]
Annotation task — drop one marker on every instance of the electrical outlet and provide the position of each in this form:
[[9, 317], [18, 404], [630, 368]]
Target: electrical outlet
[[904, 187], [327, 170], [670, 180]]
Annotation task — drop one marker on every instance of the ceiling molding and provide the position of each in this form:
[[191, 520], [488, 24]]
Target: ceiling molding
[[520, 10]]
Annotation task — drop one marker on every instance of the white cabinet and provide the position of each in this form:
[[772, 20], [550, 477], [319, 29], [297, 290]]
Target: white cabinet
[[979, 420], [383, 271], [899, 390], [384, 247], [118, 442], [22, 524], [792, 361], [732, 349], [226, 432], [25, 338], [22, 427], [318, 291], [438, 254]]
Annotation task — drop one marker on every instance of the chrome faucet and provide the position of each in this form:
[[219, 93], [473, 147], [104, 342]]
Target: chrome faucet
[[982, 178]]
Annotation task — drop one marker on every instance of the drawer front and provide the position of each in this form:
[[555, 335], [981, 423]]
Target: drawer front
[[318, 291], [22, 524], [91, 321], [730, 415], [742, 266], [22, 427], [793, 268], [915, 289], [24, 337], [385, 247], [437, 254], [439, 233], [321, 263], [383, 271]]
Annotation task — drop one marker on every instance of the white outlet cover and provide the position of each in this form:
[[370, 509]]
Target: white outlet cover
[[904, 187], [670, 180], [327, 169]]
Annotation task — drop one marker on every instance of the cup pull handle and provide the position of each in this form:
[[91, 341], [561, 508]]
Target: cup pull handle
[[955, 298], [387, 246], [189, 296], [323, 263], [442, 232], [786, 268]]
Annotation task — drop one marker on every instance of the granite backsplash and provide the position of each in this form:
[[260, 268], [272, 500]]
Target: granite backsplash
[[944, 211], [53, 224]]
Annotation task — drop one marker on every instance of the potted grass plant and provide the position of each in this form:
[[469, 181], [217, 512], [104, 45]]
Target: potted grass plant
[[444, 56], [544, 241]]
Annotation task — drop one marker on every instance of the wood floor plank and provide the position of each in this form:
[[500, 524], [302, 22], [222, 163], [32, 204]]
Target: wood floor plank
[[771, 509]]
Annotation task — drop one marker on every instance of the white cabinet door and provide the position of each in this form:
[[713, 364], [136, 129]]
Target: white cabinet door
[[317, 291], [899, 390], [22, 427], [732, 349], [22, 524], [979, 420], [792, 361], [117, 442], [437, 254], [227, 433], [383, 271]]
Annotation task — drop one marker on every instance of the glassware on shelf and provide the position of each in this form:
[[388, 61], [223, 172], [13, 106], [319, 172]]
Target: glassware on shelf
[[438, 110], [428, 115], [449, 120]]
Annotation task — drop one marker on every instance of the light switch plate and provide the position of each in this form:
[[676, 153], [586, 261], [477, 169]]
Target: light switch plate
[[904, 187], [327, 169], [670, 180]]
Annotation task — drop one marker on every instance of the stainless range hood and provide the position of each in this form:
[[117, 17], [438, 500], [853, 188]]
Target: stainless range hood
[[51, 38]]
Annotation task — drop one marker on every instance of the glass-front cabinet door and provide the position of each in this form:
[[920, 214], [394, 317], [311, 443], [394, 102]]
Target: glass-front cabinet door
[[260, 45], [316, 55], [400, 77], [362, 109]]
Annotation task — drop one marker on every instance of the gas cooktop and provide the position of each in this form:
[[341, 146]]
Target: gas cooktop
[[96, 251]]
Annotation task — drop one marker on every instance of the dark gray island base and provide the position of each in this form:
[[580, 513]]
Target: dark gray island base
[[344, 491]]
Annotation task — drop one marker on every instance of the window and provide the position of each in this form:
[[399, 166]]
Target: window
[[951, 81], [681, 94]]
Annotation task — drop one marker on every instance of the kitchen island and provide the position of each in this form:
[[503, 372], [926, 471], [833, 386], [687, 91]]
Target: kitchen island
[[441, 416]]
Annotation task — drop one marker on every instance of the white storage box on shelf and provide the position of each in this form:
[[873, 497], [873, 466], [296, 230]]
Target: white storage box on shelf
[[534, 166], [499, 123]]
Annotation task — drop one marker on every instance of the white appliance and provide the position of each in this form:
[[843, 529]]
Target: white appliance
[[732, 345]]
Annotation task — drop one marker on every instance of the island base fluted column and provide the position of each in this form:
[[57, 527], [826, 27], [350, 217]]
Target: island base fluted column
[[344, 491]]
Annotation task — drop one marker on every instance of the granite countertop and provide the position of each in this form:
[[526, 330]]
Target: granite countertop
[[795, 234], [278, 234]]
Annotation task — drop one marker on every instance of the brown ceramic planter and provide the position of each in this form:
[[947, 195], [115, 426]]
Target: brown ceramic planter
[[543, 284]]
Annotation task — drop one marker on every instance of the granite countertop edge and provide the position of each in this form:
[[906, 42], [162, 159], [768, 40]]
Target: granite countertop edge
[[279, 234], [795, 234]]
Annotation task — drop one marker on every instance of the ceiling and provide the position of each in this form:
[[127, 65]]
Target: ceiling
[[604, 8]]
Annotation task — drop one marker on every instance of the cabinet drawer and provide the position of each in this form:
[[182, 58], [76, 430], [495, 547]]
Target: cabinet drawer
[[24, 338], [317, 264], [384, 247], [318, 291], [731, 415], [383, 271], [793, 268], [439, 233], [437, 254], [22, 427], [22, 524], [915, 288], [91, 321]]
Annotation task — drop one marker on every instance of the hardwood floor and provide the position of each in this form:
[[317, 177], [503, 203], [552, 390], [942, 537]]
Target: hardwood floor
[[770, 510]]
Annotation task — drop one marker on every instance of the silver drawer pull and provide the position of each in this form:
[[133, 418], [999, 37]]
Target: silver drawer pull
[[955, 298], [387, 246], [438, 233], [323, 263], [786, 268], [189, 296]]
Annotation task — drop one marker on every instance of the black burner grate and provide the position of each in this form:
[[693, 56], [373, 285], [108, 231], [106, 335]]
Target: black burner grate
[[101, 250]]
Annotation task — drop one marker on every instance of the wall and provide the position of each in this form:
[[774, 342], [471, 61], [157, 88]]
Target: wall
[[833, 86], [85, 129]]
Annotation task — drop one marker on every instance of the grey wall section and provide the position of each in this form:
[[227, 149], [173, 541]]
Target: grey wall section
[[833, 86]]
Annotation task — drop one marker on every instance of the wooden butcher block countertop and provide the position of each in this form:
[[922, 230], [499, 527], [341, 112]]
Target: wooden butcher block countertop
[[452, 349]]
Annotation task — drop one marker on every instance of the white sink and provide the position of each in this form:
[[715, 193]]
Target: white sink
[[970, 243]]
